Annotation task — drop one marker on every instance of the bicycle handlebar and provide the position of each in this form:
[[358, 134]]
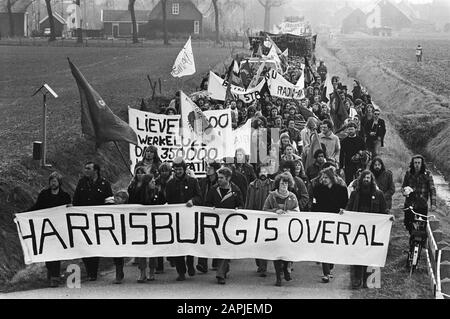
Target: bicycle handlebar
[[417, 214]]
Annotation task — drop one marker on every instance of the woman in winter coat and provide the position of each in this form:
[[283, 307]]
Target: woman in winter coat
[[142, 190], [282, 201]]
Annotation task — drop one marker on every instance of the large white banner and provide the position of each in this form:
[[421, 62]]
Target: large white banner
[[217, 88], [164, 132], [64, 233], [280, 87], [184, 63]]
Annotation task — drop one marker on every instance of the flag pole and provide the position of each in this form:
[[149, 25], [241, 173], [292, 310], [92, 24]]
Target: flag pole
[[123, 158]]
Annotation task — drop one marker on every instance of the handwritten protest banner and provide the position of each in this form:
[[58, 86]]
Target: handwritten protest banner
[[164, 132], [280, 87], [217, 88], [159, 130], [63, 233]]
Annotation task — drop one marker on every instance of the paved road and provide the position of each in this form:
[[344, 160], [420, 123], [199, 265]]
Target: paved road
[[243, 283]]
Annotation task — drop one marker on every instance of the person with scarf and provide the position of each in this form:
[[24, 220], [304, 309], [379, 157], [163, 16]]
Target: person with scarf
[[257, 192], [224, 195], [366, 198], [328, 196], [282, 201]]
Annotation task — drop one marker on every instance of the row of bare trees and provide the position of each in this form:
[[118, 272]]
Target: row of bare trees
[[267, 4]]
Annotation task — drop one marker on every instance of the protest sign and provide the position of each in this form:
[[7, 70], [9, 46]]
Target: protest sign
[[159, 130], [217, 88], [64, 233], [206, 135], [280, 87], [164, 132]]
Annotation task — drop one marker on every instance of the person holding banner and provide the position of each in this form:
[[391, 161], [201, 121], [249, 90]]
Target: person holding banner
[[366, 198], [282, 201], [206, 184], [328, 197], [92, 190], [257, 192], [52, 196], [142, 190], [224, 195], [183, 189]]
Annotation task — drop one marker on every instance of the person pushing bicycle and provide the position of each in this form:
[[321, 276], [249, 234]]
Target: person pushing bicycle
[[418, 187]]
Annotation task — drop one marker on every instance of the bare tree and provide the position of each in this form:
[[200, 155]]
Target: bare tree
[[79, 31], [268, 5], [133, 20], [164, 14], [50, 20], [216, 20], [9, 5]]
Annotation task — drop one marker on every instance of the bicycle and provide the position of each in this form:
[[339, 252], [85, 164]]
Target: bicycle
[[417, 239]]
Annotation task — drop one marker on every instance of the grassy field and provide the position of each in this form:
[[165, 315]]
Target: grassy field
[[119, 75], [398, 54]]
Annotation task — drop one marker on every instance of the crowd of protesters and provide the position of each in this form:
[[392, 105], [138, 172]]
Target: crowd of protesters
[[319, 154]]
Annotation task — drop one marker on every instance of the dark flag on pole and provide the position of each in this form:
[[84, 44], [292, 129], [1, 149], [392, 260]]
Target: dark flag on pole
[[97, 120]]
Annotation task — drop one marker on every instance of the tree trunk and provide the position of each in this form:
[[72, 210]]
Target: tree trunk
[[164, 12], [267, 18], [216, 15], [50, 20], [133, 20], [10, 18], [79, 30]]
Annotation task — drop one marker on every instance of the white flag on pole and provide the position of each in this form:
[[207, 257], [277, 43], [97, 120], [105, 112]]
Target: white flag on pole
[[184, 64]]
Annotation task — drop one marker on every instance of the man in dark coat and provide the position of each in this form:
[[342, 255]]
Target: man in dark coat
[[366, 198], [92, 190], [420, 181], [328, 197], [52, 196], [375, 130], [384, 179], [179, 190], [237, 178], [225, 195], [352, 148]]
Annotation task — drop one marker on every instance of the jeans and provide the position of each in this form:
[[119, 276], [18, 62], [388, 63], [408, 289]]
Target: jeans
[[53, 269], [326, 268], [358, 274], [142, 264], [91, 265], [223, 268], [281, 266], [261, 264], [181, 263]]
